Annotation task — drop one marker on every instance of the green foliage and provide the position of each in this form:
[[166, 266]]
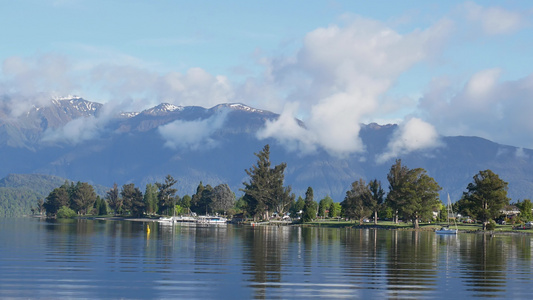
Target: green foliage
[[265, 191], [485, 197], [358, 202], [82, 197], [100, 206], [17, 201], [166, 196], [377, 197], [525, 210], [310, 206], [133, 199], [201, 201], [491, 225], [335, 210], [150, 199], [240, 205], [185, 202], [65, 213], [114, 200], [324, 206], [413, 193], [178, 209], [223, 199]]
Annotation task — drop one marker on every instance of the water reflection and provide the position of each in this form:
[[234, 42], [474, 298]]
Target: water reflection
[[103, 259]]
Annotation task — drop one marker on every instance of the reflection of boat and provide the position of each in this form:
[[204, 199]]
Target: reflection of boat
[[165, 220], [447, 229], [211, 220]]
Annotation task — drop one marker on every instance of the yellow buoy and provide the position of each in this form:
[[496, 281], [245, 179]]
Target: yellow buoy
[[147, 229]]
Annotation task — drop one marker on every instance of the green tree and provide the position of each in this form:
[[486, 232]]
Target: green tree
[[358, 201], [114, 200], [335, 210], [223, 199], [201, 202], [396, 177], [377, 197], [83, 197], [265, 192], [185, 203], [58, 198], [310, 207], [100, 206], [525, 210], [166, 195], [133, 199], [419, 196], [324, 206], [297, 207], [240, 205], [485, 197], [150, 198]]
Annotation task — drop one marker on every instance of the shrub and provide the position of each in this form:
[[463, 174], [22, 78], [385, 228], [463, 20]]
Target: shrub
[[491, 225], [65, 213]]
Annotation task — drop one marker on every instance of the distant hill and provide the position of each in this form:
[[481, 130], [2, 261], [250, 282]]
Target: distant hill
[[73, 138], [20, 192]]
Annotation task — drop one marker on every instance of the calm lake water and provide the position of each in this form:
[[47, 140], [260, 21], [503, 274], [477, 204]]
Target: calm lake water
[[118, 259]]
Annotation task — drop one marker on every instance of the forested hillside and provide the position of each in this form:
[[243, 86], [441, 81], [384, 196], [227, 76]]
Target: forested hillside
[[19, 193]]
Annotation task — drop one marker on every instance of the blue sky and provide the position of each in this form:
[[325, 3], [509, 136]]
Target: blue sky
[[434, 67]]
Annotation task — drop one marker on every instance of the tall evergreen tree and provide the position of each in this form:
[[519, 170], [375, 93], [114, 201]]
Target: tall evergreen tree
[[358, 201], [114, 200], [166, 196], [310, 207], [265, 192], [133, 199], [150, 198], [396, 177], [485, 197], [377, 197]]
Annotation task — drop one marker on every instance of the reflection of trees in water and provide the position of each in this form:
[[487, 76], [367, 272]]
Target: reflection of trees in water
[[400, 261], [264, 253], [411, 263], [485, 258]]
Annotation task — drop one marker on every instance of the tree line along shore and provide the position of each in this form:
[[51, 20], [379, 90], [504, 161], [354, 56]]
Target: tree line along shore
[[412, 197]]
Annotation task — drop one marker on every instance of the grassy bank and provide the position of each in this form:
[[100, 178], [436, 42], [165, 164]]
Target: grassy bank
[[409, 226]]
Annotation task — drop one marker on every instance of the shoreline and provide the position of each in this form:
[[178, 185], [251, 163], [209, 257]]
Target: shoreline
[[426, 227]]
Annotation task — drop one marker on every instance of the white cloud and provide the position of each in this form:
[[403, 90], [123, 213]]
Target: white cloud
[[75, 131], [521, 153], [494, 20], [33, 80], [340, 74], [192, 135], [485, 106], [413, 135]]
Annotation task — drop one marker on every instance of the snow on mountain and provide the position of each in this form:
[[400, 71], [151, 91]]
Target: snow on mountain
[[162, 108], [240, 106]]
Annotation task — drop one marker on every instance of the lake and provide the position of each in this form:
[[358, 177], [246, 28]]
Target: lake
[[118, 259]]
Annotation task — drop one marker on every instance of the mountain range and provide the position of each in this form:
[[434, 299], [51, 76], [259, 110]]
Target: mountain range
[[84, 141]]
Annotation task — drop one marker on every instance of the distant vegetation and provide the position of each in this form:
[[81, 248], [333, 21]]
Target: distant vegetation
[[412, 197], [20, 193]]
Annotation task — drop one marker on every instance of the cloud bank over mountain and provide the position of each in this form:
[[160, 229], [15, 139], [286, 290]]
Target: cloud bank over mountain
[[334, 77]]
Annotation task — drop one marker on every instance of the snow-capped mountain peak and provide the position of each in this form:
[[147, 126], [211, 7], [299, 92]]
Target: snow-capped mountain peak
[[162, 109]]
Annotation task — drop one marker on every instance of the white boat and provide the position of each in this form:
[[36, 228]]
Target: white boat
[[211, 220], [447, 229], [164, 220]]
